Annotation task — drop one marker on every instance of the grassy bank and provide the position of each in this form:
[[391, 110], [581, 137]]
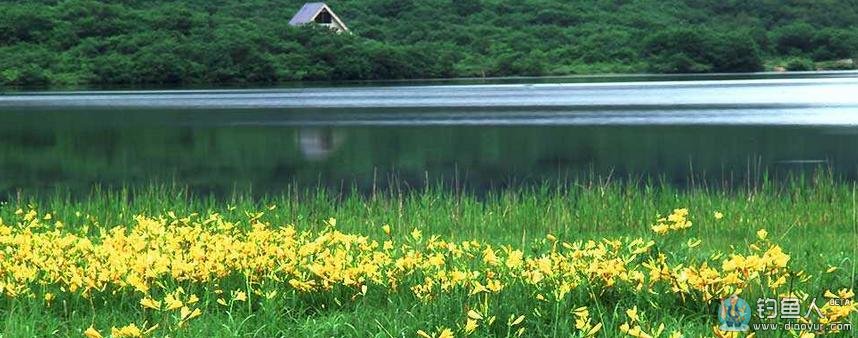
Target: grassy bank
[[584, 258]]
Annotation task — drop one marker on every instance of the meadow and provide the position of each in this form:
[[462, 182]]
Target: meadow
[[578, 259]]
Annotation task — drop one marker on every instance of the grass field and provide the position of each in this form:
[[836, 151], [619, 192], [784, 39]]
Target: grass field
[[578, 259]]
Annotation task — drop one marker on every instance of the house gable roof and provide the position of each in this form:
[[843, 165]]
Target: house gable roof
[[307, 14]]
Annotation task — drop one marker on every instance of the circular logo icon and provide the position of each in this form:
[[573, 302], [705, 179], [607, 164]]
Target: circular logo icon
[[734, 314]]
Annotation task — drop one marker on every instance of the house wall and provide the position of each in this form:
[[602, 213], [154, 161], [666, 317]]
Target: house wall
[[334, 26]]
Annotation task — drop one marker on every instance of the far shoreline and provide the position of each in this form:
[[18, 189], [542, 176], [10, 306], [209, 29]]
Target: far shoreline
[[574, 78]]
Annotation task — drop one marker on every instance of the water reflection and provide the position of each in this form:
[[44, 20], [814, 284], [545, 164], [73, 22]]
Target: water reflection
[[268, 159], [318, 144]]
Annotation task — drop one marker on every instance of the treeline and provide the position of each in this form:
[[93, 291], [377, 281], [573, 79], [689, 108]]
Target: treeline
[[80, 42]]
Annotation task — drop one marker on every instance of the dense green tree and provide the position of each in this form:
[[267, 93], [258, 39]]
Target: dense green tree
[[25, 23], [734, 52], [831, 43], [678, 50], [114, 68], [25, 64], [798, 63], [699, 49], [90, 18], [794, 39]]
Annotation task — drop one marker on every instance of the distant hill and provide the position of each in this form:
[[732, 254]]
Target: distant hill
[[80, 42]]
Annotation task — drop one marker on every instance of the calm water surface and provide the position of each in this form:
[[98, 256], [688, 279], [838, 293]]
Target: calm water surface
[[487, 135]]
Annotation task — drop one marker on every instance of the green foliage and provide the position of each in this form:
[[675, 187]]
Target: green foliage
[[802, 39], [832, 44], [800, 64], [735, 52], [50, 42], [687, 50], [795, 38], [845, 64], [678, 51], [25, 63]]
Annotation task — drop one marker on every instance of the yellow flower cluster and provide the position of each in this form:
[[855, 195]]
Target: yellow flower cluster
[[144, 258], [676, 221], [633, 327]]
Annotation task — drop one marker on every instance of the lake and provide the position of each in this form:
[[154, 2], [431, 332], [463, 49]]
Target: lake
[[725, 129]]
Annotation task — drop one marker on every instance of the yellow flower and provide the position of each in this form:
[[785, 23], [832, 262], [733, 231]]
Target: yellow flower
[[172, 303], [634, 331], [130, 330], [778, 282], [49, 297], [416, 234], [386, 229], [660, 228], [494, 285], [724, 334], [693, 243], [594, 330], [762, 233], [150, 303], [719, 215], [186, 314], [475, 315], [471, 326], [633, 314], [240, 296], [515, 259], [446, 333], [658, 331], [423, 334], [516, 321], [31, 215], [91, 332]]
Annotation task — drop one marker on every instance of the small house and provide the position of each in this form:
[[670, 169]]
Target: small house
[[318, 13]]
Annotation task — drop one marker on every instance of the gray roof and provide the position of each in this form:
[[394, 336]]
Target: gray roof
[[307, 13]]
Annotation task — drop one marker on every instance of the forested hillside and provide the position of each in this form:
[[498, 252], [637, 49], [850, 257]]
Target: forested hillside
[[74, 42]]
